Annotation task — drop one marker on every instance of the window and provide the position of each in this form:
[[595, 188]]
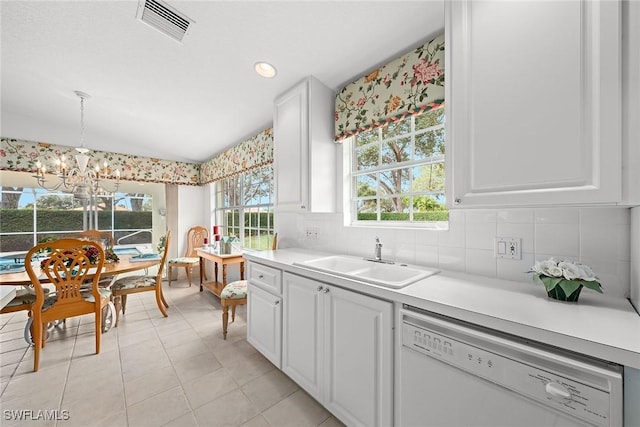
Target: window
[[29, 215], [244, 207], [397, 172]]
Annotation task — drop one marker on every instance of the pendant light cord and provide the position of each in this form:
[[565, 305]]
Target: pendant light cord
[[82, 122]]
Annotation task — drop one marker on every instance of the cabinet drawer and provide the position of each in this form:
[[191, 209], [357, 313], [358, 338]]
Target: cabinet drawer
[[267, 278]]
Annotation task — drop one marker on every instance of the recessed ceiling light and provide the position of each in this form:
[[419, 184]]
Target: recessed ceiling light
[[265, 69]]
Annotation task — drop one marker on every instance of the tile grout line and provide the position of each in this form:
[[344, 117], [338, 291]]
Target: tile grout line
[[181, 385], [66, 378]]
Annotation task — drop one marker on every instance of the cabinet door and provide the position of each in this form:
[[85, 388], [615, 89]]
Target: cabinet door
[[290, 151], [358, 354], [533, 114], [264, 323], [302, 327]]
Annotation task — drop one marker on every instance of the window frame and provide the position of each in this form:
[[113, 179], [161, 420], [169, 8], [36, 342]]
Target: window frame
[[244, 232], [38, 230], [351, 173]]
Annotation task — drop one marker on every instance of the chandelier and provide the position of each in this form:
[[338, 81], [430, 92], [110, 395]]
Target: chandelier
[[86, 183]]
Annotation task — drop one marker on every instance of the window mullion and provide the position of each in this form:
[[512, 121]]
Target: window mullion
[[250, 234], [243, 182], [415, 198]]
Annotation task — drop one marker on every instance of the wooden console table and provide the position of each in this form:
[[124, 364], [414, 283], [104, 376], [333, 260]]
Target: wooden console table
[[214, 286]]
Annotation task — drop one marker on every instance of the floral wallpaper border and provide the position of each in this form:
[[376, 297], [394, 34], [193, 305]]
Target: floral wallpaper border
[[20, 155], [249, 154], [410, 84]]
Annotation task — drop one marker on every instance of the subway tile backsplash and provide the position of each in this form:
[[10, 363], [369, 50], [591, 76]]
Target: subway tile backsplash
[[597, 236]]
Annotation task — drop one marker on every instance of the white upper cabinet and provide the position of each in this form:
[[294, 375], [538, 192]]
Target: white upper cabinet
[[533, 107], [304, 151]]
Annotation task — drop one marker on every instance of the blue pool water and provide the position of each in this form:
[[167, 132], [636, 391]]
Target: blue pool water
[[8, 260], [12, 259], [126, 251]]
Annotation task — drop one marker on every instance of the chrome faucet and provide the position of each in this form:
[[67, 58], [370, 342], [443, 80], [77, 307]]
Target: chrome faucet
[[378, 253]]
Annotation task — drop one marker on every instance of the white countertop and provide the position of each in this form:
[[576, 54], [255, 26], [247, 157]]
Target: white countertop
[[598, 325]]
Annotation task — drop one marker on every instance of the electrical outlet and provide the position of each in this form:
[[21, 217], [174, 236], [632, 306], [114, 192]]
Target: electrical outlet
[[508, 247], [312, 233]]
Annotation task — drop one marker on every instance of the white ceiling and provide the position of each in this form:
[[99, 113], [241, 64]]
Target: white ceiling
[[154, 97]]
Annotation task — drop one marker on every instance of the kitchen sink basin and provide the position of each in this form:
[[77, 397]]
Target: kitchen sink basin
[[337, 264], [378, 273]]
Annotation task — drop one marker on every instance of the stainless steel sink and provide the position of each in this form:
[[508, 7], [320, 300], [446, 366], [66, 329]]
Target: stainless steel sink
[[388, 275]]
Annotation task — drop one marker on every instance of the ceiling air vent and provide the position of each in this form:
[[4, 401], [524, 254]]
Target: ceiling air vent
[[164, 18]]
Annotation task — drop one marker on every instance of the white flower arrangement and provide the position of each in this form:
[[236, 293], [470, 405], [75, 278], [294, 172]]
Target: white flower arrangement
[[566, 275]]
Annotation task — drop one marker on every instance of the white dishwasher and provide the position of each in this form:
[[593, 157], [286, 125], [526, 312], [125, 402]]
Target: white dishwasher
[[456, 374]]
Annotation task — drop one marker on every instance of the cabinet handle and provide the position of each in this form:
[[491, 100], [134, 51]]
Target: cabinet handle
[[457, 201], [261, 276], [319, 288], [276, 303], [303, 207], [326, 290]]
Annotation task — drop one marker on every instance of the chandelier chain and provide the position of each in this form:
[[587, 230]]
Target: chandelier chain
[[82, 121], [85, 183]]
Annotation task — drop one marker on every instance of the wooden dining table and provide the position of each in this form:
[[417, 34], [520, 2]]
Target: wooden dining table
[[125, 265]]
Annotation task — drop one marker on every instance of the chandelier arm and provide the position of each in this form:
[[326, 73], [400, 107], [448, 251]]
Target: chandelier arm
[[41, 180]]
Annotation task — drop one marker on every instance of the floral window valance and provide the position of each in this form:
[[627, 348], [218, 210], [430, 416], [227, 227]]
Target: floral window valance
[[20, 155], [249, 154], [410, 84]]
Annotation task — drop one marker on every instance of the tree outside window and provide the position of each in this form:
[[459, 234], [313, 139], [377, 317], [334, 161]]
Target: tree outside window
[[398, 171]]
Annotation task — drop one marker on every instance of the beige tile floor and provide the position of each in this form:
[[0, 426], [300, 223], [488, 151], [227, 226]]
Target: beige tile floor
[[151, 371]]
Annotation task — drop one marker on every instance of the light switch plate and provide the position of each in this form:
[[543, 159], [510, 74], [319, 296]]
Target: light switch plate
[[508, 247]]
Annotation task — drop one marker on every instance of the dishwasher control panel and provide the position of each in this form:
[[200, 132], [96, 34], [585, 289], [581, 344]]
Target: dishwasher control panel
[[549, 388]]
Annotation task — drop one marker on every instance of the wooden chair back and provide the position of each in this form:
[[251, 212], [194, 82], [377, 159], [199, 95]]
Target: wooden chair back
[[164, 258], [195, 240], [103, 237], [67, 269]]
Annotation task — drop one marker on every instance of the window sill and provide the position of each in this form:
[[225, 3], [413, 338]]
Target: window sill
[[433, 225]]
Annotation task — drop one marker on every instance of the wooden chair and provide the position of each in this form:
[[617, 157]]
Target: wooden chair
[[195, 240], [234, 294], [67, 268], [134, 284], [103, 237]]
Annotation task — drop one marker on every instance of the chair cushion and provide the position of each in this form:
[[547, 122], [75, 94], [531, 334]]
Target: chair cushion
[[185, 260], [235, 290], [28, 297], [133, 282], [88, 296]]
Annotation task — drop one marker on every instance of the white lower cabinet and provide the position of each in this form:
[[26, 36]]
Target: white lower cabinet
[[264, 323], [264, 311], [337, 345]]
